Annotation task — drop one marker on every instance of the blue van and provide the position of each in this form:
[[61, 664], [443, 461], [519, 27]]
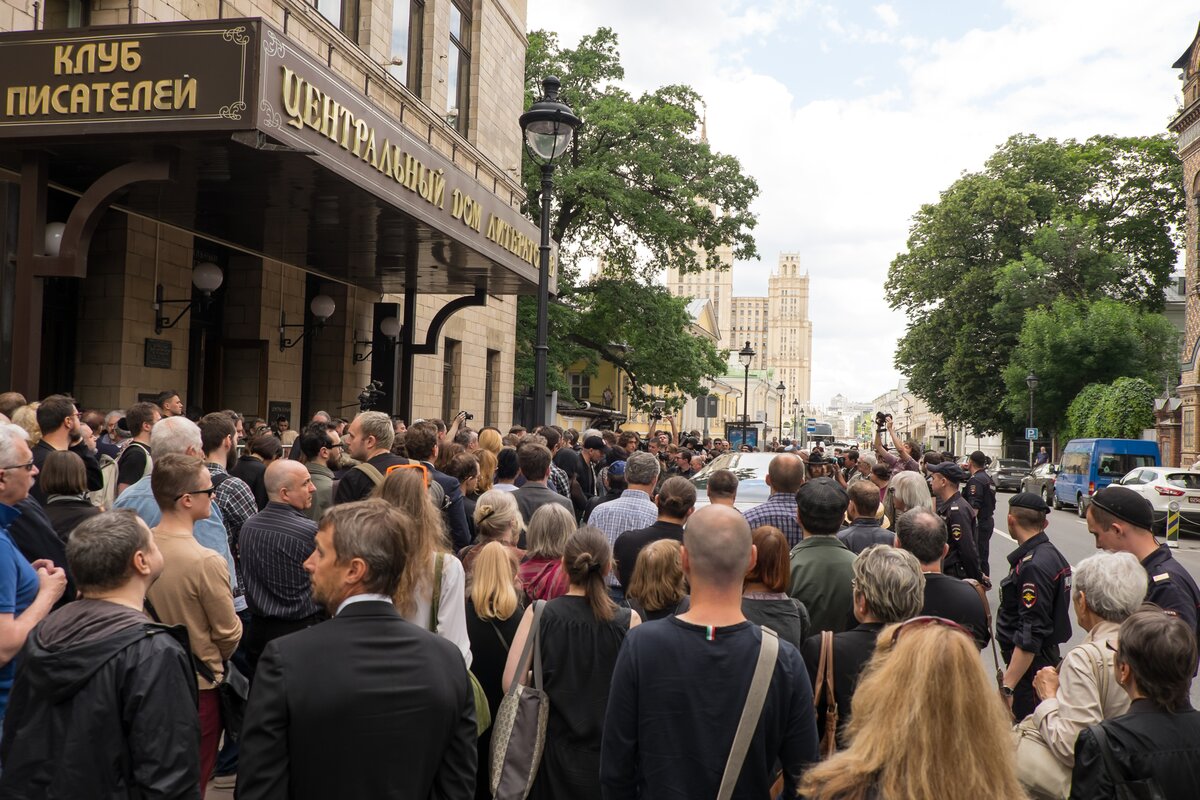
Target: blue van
[[1088, 465]]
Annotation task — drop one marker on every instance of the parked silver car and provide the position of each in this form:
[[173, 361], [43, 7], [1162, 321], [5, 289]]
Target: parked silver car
[[751, 470]]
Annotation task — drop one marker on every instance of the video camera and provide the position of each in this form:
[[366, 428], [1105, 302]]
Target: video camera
[[881, 421], [370, 396]]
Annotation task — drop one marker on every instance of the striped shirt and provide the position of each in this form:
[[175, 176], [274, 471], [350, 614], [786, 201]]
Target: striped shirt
[[632, 511], [275, 543], [779, 511]]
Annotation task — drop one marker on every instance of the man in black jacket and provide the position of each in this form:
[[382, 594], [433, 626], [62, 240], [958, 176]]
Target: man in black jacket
[[392, 716], [104, 702], [1156, 745], [675, 500], [368, 440], [58, 419]]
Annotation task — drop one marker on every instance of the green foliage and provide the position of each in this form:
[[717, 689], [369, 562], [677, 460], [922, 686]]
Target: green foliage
[[639, 189], [1043, 220], [1120, 410], [1075, 343]]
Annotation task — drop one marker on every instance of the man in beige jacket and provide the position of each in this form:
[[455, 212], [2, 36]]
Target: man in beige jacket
[[193, 589]]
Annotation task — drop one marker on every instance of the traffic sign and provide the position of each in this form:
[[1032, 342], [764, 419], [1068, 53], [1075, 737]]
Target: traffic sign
[[810, 429], [706, 406], [1031, 434]]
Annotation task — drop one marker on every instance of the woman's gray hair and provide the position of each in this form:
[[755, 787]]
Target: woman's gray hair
[[1113, 584], [10, 434], [911, 490], [868, 458], [175, 435], [891, 582], [549, 528]]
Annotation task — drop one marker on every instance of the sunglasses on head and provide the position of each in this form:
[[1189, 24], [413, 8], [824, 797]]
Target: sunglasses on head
[[923, 621], [424, 471]]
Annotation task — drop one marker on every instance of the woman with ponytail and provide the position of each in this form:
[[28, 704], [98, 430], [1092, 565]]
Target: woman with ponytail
[[580, 635]]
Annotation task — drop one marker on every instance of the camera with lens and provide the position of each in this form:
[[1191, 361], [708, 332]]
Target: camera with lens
[[466, 415], [370, 396], [881, 421], [656, 410]]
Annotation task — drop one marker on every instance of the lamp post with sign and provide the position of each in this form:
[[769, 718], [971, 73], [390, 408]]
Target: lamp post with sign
[[549, 127], [1031, 381]]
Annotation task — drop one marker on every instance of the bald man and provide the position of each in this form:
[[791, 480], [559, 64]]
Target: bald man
[[707, 656], [274, 545], [785, 476]]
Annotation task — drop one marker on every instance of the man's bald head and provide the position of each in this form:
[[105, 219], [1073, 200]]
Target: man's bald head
[[786, 473], [717, 545], [284, 474]]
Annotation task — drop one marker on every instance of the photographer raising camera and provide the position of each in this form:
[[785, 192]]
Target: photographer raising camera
[[907, 453]]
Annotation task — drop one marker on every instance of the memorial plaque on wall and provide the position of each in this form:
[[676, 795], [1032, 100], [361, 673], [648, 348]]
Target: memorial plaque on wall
[[158, 353], [277, 409]]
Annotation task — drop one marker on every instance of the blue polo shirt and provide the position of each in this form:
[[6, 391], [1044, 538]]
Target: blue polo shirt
[[18, 588]]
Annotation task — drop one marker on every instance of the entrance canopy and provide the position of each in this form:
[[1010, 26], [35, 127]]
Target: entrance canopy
[[267, 150]]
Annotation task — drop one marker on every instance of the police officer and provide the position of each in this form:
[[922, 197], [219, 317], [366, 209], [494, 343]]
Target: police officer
[[962, 560], [1035, 602], [1122, 520], [981, 494]]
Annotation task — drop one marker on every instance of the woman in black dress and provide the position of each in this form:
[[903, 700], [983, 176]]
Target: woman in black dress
[[64, 480], [581, 633], [493, 616], [658, 583]]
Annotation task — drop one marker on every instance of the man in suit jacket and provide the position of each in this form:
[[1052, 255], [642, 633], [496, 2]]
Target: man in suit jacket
[[391, 715], [421, 443], [535, 460]]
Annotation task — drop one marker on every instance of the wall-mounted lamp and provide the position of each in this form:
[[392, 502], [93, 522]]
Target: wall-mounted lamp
[[389, 327], [54, 234], [322, 307], [206, 277]]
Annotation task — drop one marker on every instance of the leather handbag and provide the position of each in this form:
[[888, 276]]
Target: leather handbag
[[825, 689], [768, 651], [519, 737], [483, 712], [987, 613]]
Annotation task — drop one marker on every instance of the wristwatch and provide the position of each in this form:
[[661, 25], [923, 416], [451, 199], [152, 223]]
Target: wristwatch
[[1007, 691]]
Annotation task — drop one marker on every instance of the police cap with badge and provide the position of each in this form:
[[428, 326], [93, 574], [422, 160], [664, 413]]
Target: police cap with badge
[[948, 470]]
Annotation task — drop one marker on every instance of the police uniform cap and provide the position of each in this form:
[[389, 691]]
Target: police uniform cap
[[1029, 500], [1126, 505], [948, 470]]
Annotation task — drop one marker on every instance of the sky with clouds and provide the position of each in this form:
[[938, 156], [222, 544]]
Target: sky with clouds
[[852, 114]]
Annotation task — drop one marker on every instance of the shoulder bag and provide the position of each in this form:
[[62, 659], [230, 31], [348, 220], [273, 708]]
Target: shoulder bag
[[825, 689], [1123, 788], [987, 613], [768, 651], [519, 737], [1038, 769], [483, 713]]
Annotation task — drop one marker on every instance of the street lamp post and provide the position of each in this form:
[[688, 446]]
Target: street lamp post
[[746, 356], [781, 389], [1031, 381], [549, 126], [795, 421]]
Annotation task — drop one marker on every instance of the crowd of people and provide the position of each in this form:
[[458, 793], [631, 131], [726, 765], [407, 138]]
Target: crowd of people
[[344, 610]]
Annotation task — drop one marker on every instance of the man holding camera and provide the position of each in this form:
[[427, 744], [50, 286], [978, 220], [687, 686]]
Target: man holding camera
[[907, 453]]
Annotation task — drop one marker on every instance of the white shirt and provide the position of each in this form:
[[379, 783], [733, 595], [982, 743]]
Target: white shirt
[[505, 487], [452, 607], [363, 598]]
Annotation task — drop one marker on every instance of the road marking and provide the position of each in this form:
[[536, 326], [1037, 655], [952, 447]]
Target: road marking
[[1005, 535]]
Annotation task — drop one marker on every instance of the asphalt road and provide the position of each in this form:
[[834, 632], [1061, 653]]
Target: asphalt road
[[1070, 535]]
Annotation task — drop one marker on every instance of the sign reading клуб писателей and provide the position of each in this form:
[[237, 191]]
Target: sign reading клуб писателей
[[140, 78]]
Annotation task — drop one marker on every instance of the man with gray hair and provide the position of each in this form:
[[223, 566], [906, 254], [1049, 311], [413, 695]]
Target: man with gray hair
[[633, 510], [104, 698], [368, 440], [923, 533], [699, 666], [181, 436]]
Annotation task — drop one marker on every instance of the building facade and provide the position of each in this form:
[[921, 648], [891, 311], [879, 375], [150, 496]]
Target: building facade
[[346, 172]]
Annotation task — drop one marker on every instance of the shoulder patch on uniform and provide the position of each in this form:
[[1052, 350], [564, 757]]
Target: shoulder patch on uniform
[[1162, 576], [956, 532], [1027, 558], [954, 508], [973, 488], [1029, 595]]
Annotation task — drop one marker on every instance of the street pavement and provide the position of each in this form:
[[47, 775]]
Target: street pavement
[[1070, 535]]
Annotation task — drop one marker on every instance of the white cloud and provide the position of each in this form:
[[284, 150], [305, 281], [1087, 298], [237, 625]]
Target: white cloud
[[842, 176]]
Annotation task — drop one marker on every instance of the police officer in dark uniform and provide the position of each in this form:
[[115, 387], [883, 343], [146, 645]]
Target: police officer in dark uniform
[[1035, 601], [981, 494], [962, 560], [1122, 520]]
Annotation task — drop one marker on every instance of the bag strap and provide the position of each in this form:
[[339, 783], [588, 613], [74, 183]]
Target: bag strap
[[500, 636], [1115, 773], [763, 670], [987, 613], [198, 665], [1103, 673], [531, 650], [369, 470], [435, 600]]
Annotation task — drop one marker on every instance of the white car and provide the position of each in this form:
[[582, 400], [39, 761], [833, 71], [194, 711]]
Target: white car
[[751, 470], [1164, 485]]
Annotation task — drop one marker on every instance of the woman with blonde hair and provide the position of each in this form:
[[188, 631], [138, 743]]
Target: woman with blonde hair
[[430, 566], [487, 470], [497, 519], [493, 615], [658, 584], [541, 574], [490, 440], [924, 702], [26, 417]]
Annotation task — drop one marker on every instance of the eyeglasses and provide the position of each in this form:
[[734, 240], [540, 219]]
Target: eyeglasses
[[27, 467], [920, 622], [207, 491]]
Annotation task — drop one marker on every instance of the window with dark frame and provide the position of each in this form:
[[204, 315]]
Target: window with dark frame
[[458, 67], [581, 386], [342, 13], [408, 29], [60, 14], [492, 370], [449, 384]]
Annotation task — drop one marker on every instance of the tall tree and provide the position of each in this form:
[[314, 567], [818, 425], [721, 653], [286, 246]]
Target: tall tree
[[1044, 219], [639, 191]]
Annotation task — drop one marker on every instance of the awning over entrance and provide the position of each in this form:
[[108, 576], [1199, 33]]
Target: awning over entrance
[[267, 150]]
